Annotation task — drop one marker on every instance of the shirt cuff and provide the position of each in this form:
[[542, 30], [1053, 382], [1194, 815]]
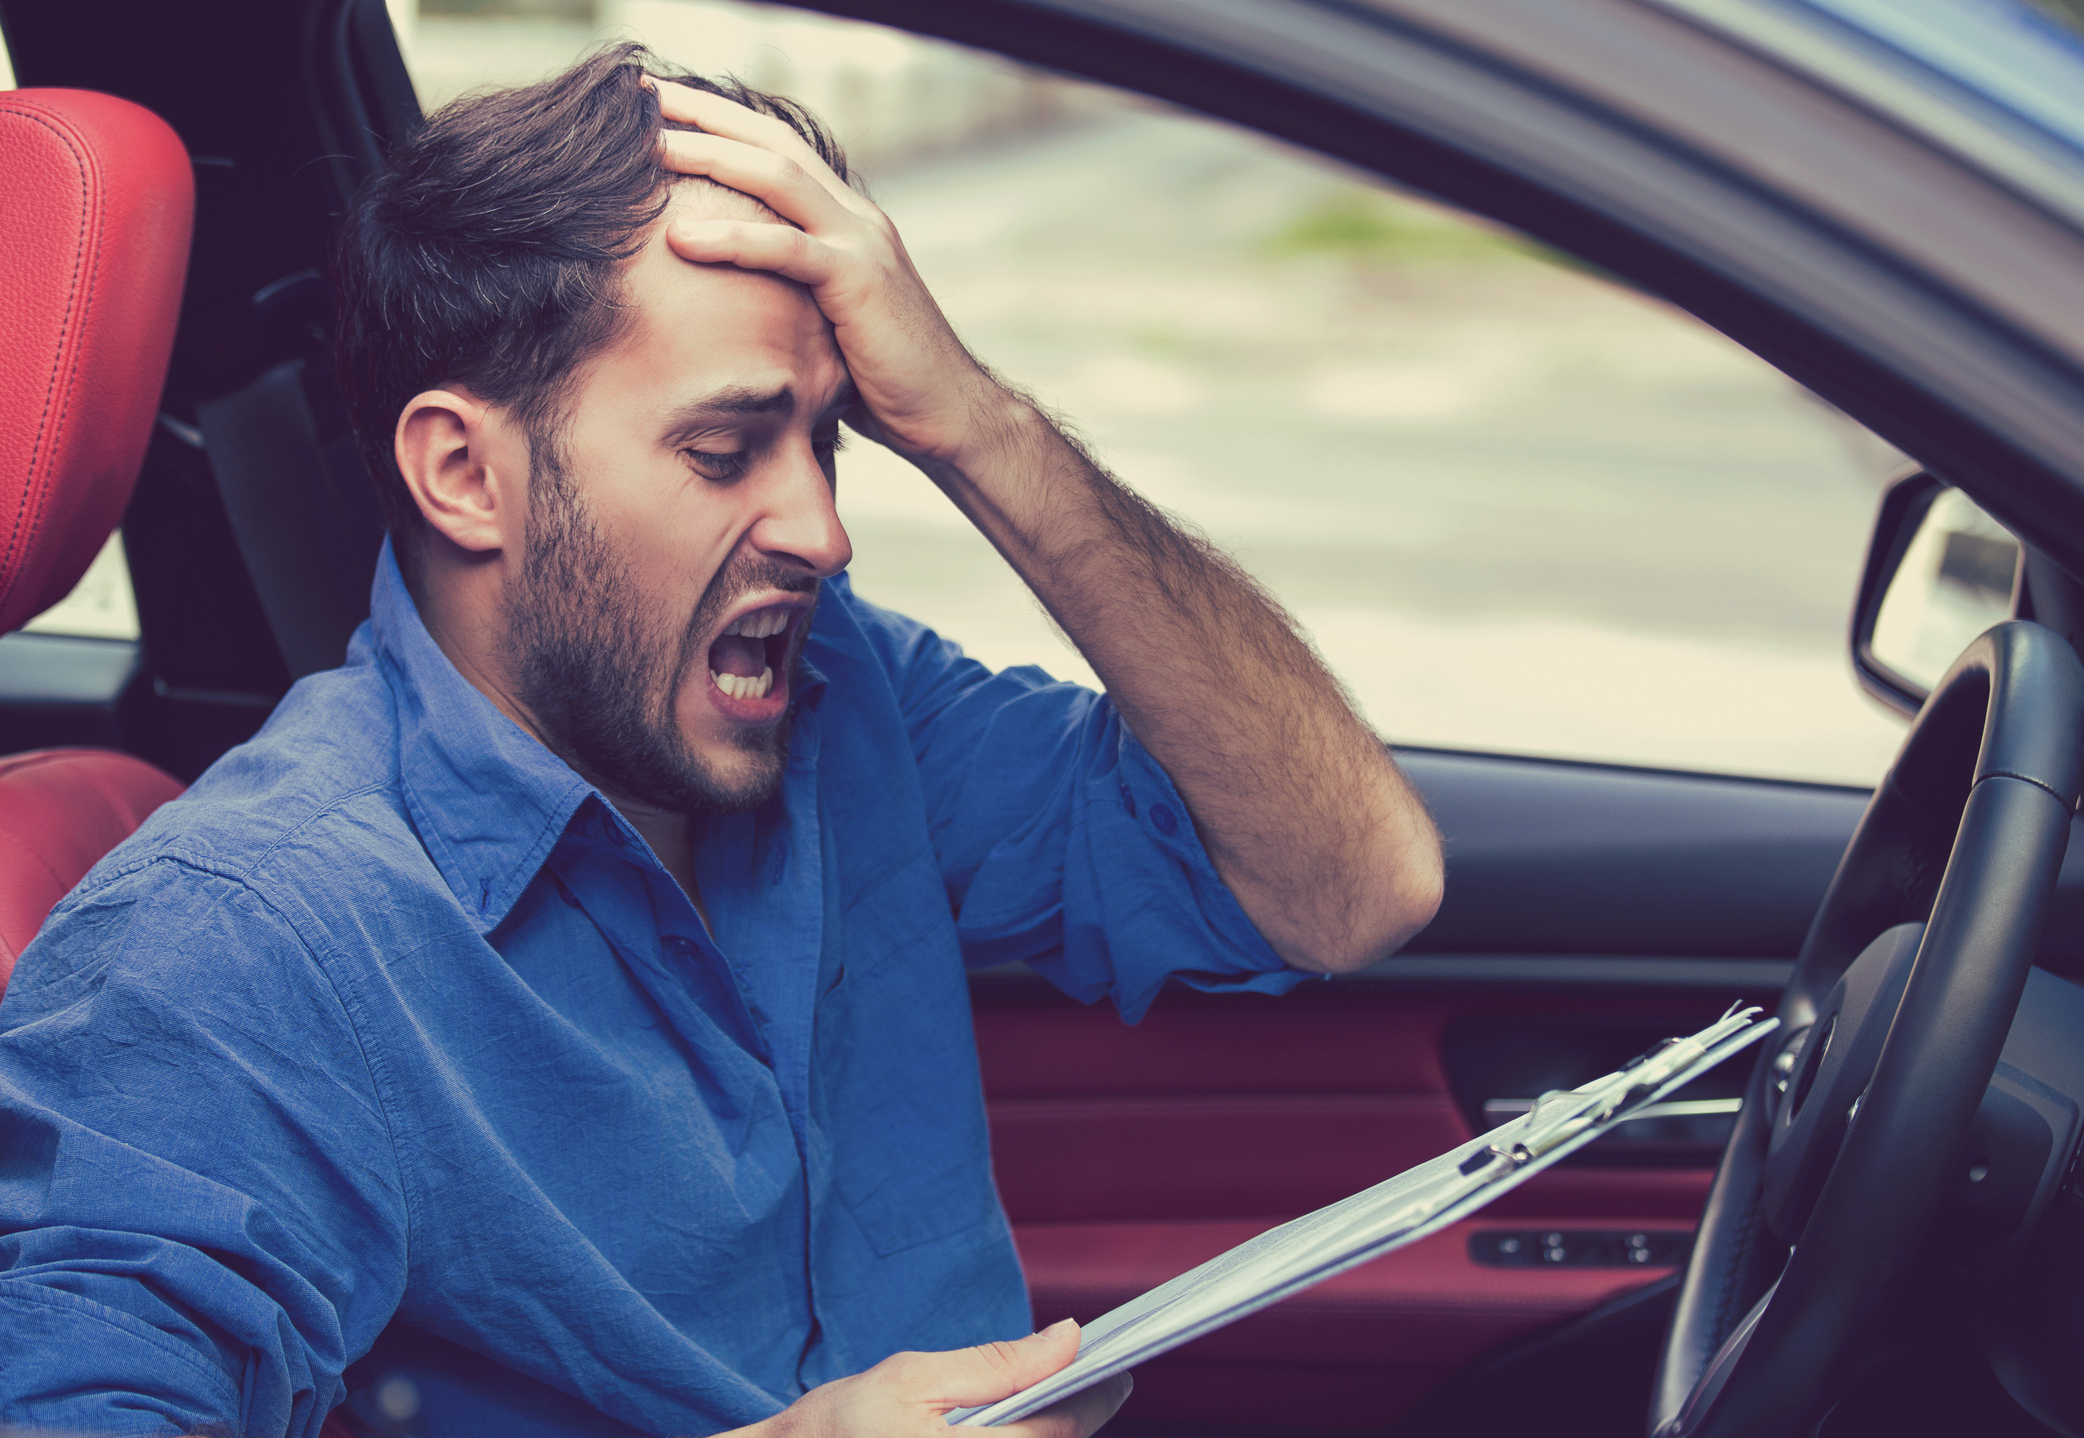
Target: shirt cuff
[[1239, 959]]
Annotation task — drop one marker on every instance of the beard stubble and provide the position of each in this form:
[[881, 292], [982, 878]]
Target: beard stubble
[[603, 684]]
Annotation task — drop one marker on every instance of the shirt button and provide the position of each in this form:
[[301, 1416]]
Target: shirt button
[[1163, 819]]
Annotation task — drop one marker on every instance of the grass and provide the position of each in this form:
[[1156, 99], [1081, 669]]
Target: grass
[[1372, 229]]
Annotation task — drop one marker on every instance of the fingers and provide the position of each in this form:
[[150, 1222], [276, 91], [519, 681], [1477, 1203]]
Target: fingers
[[992, 1371], [1077, 1416], [752, 245], [733, 121], [777, 181]]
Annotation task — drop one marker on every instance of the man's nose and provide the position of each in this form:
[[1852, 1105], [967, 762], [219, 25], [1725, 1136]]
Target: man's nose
[[800, 520]]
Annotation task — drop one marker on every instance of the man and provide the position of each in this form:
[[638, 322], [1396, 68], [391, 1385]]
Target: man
[[562, 1003]]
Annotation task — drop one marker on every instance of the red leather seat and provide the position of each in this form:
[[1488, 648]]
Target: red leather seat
[[60, 811], [100, 206]]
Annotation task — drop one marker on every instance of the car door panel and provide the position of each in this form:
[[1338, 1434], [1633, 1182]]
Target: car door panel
[[1349, 1353], [1559, 858], [1115, 1182], [1590, 910]]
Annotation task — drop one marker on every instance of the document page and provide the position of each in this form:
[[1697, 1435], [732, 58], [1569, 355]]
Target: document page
[[1375, 1221]]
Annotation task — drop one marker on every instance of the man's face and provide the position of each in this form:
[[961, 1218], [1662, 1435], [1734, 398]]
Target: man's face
[[678, 528]]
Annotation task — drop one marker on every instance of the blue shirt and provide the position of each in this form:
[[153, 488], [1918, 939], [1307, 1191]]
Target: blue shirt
[[392, 1031]]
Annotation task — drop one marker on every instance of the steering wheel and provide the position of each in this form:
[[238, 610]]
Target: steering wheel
[[1890, 1030]]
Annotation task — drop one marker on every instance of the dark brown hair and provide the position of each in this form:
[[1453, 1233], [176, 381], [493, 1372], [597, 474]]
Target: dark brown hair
[[488, 255]]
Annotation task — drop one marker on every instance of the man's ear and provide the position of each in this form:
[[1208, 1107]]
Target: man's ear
[[451, 453]]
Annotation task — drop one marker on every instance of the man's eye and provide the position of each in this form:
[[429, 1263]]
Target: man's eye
[[719, 467], [831, 443]]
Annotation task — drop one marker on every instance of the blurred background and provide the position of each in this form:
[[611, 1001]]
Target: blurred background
[[1518, 508]]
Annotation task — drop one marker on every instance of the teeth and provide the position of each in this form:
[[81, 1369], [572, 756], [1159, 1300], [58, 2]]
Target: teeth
[[744, 686], [760, 624]]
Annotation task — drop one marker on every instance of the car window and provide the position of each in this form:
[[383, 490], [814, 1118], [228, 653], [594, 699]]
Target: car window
[[100, 606], [1518, 506]]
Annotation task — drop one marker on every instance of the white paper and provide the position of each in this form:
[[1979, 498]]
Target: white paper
[[1375, 1221]]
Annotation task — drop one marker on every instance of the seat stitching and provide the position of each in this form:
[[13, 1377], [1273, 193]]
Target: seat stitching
[[35, 498]]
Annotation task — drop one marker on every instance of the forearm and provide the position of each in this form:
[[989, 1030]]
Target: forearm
[[1302, 811], [1298, 805]]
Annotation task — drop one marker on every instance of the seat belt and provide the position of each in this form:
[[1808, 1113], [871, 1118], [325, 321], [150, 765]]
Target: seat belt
[[299, 504]]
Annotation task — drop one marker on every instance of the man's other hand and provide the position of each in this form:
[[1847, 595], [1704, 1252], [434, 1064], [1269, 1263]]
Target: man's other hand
[[908, 1395], [922, 393]]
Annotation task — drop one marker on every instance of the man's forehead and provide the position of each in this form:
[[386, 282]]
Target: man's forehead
[[724, 341], [697, 197]]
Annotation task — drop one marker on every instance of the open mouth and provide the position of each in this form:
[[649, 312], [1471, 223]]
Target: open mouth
[[748, 662]]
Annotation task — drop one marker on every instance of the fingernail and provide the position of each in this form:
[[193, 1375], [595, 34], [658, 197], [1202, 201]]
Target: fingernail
[[1057, 1327]]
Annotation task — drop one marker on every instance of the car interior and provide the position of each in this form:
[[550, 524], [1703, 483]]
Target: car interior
[[173, 171]]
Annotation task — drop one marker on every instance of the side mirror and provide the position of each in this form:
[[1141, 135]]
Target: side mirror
[[1939, 572]]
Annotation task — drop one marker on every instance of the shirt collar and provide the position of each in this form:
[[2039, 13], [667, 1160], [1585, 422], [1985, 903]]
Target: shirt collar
[[489, 801]]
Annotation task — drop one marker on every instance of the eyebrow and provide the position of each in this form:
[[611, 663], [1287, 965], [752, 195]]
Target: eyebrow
[[735, 401]]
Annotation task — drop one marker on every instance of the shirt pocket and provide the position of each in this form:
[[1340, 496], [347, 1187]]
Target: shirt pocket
[[897, 1060]]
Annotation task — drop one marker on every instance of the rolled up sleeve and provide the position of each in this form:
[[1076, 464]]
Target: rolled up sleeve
[[1062, 840], [200, 1215]]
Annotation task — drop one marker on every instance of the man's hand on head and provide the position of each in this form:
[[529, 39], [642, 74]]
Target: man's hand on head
[[921, 392], [1299, 806], [908, 1395]]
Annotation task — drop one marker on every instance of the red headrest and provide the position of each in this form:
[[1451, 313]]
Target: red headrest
[[100, 203]]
